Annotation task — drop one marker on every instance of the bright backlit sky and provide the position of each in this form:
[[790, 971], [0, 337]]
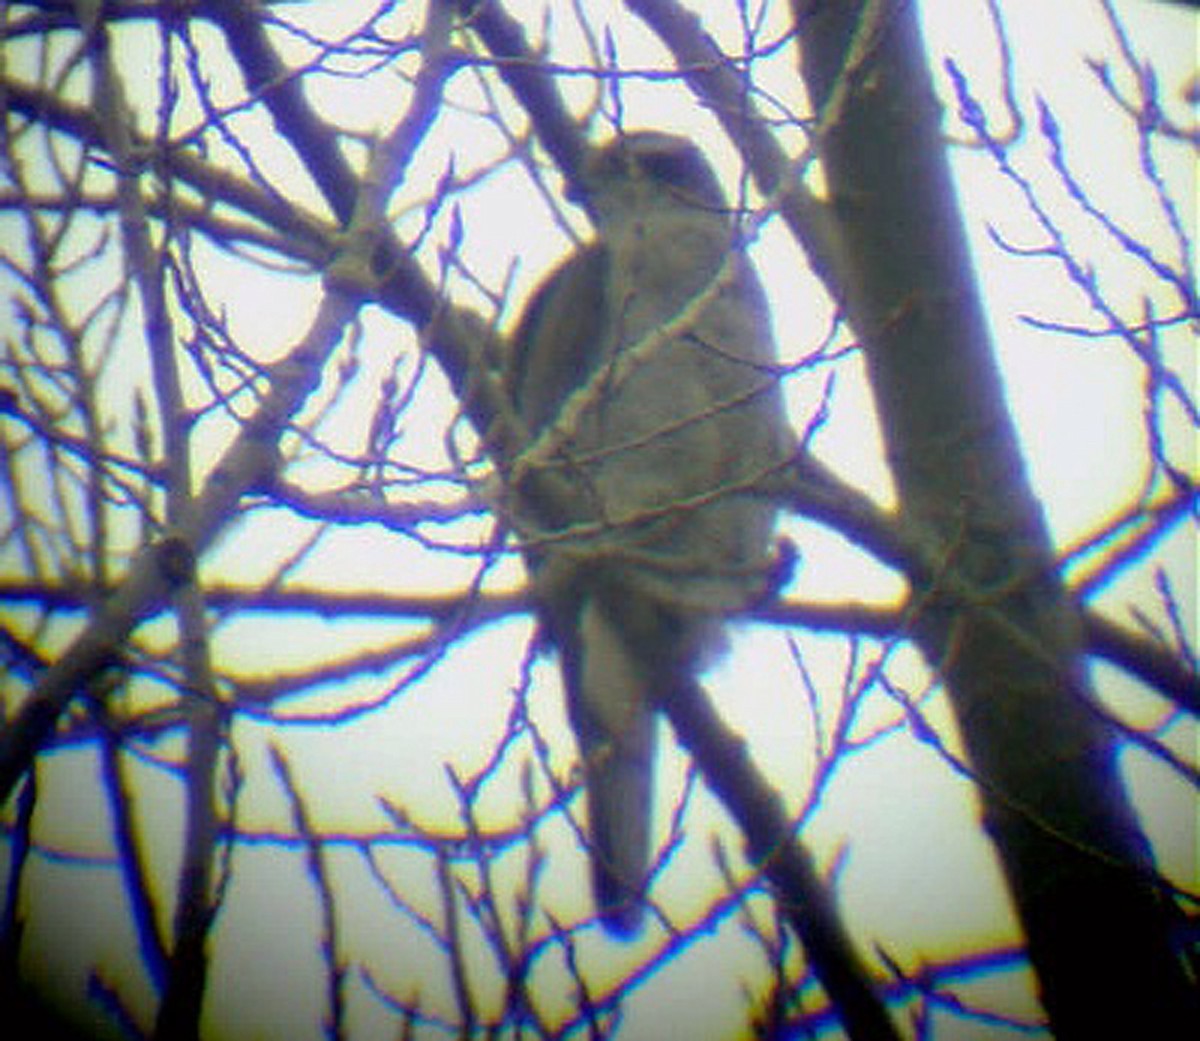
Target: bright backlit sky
[[917, 876]]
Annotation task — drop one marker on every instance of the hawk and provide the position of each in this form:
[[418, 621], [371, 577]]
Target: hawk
[[643, 368]]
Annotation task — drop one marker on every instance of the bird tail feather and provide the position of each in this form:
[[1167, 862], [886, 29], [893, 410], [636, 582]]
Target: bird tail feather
[[616, 728]]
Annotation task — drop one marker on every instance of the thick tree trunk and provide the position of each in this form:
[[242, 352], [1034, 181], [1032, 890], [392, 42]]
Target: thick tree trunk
[[993, 619]]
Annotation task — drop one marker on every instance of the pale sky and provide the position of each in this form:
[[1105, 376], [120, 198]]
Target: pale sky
[[918, 876]]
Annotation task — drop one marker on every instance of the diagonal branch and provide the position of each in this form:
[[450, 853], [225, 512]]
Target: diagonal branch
[[167, 564], [806, 899]]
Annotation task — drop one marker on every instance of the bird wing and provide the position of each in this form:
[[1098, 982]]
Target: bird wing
[[558, 346]]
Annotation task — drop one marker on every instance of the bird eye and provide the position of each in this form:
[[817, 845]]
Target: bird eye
[[675, 168], [685, 171]]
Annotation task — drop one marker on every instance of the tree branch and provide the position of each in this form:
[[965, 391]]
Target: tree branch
[[771, 844]]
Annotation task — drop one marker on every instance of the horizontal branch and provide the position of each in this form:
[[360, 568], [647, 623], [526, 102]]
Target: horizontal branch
[[1144, 659], [168, 563]]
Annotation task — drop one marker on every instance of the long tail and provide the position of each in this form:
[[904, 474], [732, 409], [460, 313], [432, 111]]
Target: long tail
[[613, 715]]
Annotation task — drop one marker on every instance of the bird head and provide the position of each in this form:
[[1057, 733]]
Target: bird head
[[648, 168]]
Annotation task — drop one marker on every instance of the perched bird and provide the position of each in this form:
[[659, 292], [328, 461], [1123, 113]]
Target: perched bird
[[643, 371]]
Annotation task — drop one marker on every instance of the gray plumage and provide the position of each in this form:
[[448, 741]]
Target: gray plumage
[[657, 442]]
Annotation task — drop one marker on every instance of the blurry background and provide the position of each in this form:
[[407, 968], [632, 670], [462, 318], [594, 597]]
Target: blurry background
[[386, 704]]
